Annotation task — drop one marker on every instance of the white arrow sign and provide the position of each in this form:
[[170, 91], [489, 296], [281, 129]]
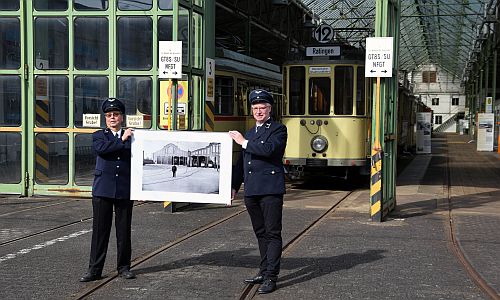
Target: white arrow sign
[[379, 55], [170, 59]]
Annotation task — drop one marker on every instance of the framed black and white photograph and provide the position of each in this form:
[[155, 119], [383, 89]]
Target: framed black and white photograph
[[181, 166]]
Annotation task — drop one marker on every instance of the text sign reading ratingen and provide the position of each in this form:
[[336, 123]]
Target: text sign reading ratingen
[[170, 59], [379, 54]]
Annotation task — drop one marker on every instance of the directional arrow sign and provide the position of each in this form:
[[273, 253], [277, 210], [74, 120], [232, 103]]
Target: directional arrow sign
[[170, 59], [379, 56]]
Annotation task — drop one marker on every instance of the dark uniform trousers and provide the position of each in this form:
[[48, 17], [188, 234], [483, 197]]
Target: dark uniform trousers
[[111, 190], [260, 167]]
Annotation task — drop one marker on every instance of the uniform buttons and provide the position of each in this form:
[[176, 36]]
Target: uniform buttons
[[249, 162], [118, 158], [262, 142], [117, 166], [249, 172], [116, 175], [272, 172]]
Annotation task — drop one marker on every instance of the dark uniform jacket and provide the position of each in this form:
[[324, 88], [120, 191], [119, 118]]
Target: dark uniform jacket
[[112, 169], [260, 165]]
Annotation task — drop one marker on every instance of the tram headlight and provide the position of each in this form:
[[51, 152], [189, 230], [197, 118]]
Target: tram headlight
[[319, 143]]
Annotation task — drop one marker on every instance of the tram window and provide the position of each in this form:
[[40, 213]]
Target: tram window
[[10, 157], [183, 34], [51, 101], [51, 43], [344, 86], [90, 4], [165, 4], [224, 91], [165, 28], [10, 43], [360, 92], [89, 92], [10, 99], [135, 5], [319, 96], [91, 43], [135, 43], [135, 92], [51, 4], [297, 92], [51, 163], [9, 5]]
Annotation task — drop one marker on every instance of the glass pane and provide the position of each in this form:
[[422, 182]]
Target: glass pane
[[10, 157], [91, 43], [51, 158], [90, 4], [10, 43], [224, 91], [197, 41], [10, 101], [135, 4], [165, 4], [9, 5], [297, 95], [51, 43], [51, 101], [195, 110], [319, 96], [135, 93], [165, 28], [344, 87], [89, 94], [51, 4], [360, 92], [84, 159], [198, 2], [135, 43], [183, 34]]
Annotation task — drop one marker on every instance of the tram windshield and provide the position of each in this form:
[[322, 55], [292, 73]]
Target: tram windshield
[[344, 86], [319, 96]]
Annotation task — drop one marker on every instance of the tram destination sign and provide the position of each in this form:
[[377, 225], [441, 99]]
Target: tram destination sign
[[379, 55], [323, 51], [170, 59]]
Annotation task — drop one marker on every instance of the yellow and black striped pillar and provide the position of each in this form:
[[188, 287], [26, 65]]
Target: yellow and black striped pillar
[[376, 185], [42, 160], [209, 116]]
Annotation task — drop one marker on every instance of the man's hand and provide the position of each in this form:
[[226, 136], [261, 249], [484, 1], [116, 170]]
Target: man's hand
[[237, 137], [127, 133]]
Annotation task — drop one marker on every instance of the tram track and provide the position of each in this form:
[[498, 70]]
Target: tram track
[[41, 232], [250, 290], [454, 245]]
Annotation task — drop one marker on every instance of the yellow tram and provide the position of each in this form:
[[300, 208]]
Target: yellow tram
[[327, 113]]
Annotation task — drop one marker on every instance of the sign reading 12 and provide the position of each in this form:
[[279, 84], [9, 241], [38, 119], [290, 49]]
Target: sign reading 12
[[323, 33]]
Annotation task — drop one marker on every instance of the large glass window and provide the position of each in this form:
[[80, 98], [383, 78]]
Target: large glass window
[[360, 92], [51, 4], [51, 43], [197, 47], [297, 92], [9, 5], [195, 110], [91, 43], [135, 4], [10, 100], [51, 158], [135, 43], [89, 93], [166, 4], [90, 4], [10, 43], [319, 96], [224, 91], [165, 28], [51, 101], [344, 90], [183, 34], [84, 159], [10, 157], [135, 93]]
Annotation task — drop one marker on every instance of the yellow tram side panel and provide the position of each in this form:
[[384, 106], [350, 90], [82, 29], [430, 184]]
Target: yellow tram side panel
[[347, 138]]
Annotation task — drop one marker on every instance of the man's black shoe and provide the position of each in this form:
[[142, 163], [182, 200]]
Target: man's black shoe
[[90, 277], [267, 287], [255, 280], [127, 274]]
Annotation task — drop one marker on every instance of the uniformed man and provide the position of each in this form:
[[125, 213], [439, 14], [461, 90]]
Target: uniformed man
[[111, 188], [260, 167]]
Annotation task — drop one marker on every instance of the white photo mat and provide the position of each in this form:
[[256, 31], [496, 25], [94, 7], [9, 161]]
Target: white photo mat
[[203, 166]]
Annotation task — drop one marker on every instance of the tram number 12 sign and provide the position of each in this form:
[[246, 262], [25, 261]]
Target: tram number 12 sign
[[379, 56], [323, 33]]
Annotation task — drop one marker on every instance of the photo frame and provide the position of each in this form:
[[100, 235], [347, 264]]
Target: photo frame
[[181, 166]]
